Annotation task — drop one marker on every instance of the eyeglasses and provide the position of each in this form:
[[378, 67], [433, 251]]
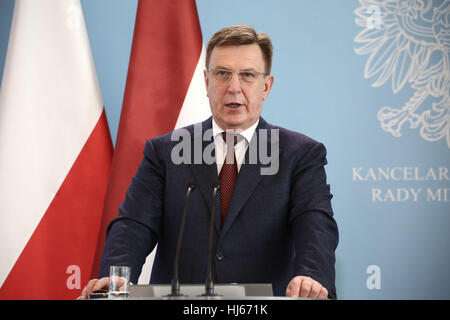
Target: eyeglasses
[[222, 76]]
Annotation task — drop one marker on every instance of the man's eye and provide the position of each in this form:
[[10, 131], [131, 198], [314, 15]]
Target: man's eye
[[222, 73], [247, 75]]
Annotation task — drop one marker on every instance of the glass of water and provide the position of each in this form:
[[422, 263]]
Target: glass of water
[[119, 282]]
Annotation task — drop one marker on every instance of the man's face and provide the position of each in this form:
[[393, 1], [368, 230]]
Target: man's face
[[236, 104]]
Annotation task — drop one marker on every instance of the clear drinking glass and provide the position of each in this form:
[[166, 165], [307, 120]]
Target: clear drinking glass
[[119, 282]]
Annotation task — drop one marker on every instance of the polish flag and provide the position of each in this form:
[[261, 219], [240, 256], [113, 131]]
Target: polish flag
[[165, 90], [55, 153]]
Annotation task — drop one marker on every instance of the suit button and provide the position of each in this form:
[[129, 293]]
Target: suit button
[[219, 256]]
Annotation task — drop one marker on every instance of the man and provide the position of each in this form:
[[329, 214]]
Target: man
[[272, 226]]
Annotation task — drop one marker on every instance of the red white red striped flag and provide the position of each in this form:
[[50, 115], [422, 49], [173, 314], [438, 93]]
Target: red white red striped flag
[[165, 89], [55, 153]]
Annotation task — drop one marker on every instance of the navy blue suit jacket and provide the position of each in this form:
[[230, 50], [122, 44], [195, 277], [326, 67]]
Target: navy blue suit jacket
[[277, 226]]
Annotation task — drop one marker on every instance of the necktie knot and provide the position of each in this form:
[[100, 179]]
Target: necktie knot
[[231, 138]]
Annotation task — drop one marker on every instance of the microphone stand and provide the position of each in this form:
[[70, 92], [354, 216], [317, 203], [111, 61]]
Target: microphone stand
[[209, 285], [175, 292]]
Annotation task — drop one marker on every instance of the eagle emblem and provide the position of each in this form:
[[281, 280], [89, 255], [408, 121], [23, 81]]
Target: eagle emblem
[[408, 43]]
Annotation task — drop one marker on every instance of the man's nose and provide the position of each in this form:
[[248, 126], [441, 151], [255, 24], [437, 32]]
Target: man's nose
[[234, 84]]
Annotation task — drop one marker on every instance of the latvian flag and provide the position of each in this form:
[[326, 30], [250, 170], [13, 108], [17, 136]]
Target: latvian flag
[[165, 90]]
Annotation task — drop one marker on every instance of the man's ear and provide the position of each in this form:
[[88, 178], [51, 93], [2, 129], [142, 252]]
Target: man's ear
[[268, 86], [205, 75]]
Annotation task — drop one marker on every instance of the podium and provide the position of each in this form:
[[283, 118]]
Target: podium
[[195, 291], [233, 291]]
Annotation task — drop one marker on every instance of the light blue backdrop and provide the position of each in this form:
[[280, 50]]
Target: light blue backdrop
[[394, 242]]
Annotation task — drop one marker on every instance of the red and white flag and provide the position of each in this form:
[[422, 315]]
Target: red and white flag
[[55, 153], [165, 90]]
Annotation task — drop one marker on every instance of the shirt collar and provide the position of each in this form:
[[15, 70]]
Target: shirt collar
[[247, 133]]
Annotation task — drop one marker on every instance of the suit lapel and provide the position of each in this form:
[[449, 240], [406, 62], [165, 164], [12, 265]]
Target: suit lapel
[[206, 174]]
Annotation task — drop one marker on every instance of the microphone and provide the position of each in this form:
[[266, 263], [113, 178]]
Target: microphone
[[175, 292], [209, 285]]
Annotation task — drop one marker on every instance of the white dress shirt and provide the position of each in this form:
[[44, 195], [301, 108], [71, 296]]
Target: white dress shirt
[[239, 149]]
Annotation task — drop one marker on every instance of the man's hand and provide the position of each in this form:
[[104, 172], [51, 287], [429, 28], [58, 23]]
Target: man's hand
[[94, 285], [306, 287]]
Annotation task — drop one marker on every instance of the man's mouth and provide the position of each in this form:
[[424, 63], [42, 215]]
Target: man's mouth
[[233, 105]]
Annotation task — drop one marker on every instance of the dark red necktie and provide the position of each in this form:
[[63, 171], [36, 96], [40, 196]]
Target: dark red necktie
[[228, 175]]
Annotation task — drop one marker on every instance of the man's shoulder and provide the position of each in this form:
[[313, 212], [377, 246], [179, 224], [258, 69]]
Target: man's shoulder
[[292, 138]]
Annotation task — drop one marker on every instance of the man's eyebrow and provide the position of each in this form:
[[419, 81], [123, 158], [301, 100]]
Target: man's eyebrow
[[241, 70], [248, 70], [221, 68]]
